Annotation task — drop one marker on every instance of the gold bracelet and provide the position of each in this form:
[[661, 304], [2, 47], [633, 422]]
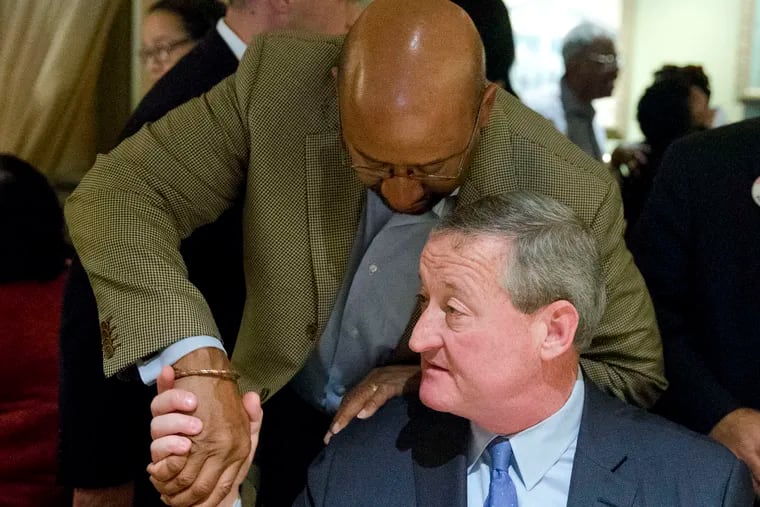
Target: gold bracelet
[[222, 374]]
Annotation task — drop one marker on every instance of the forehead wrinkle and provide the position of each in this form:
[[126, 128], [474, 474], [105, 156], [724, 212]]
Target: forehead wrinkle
[[461, 264]]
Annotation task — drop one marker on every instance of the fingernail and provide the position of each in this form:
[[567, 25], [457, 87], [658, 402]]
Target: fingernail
[[363, 414], [335, 428], [327, 438], [187, 401]]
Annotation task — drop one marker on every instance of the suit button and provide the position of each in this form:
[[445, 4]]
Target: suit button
[[264, 394], [311, 332]]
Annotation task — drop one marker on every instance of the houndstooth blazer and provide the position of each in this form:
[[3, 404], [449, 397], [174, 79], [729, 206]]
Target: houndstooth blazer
[[271, 131]]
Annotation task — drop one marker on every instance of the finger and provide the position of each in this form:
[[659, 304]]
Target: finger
[[165, 380], [169, 445], [252, 405], [210, 486], [165, 470], [173, 400], [174, 424], [382, 395], [225, 487], [183, 478], [352, 404]]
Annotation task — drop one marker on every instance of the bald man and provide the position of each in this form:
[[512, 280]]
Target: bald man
[[334, 221]]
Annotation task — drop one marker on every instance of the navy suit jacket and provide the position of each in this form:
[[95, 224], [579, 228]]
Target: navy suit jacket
[[94, 409], [407, 454], [697, 244]]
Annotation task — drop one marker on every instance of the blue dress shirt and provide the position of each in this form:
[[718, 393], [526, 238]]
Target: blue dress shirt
[[542, 457]]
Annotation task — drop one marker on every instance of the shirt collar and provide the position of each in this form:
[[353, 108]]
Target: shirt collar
[[535, 450], [235, 43]]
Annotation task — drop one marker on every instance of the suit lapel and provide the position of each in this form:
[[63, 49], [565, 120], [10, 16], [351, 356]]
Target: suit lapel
[[599, 457], [335, 201]]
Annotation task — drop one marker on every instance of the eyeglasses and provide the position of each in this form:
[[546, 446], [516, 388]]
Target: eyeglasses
[[420, 173], [161, 51], [608, 60]]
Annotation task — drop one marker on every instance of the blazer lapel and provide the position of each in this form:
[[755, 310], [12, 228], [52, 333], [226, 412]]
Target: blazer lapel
[[335, 202], [599, 457]]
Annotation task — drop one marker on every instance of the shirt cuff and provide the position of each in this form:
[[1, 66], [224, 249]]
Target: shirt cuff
[[150, 368]]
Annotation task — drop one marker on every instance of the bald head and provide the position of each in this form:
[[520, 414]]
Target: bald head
[[408, 58], [411, 85]]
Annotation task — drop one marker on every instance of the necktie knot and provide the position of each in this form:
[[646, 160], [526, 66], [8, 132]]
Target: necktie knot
[[501, 452]]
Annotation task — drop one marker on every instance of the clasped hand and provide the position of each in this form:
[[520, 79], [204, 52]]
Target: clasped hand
[[201, 450]]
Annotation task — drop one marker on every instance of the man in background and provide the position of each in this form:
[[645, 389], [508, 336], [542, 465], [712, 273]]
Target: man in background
[[697, 245], [591, 67], [214, 260]]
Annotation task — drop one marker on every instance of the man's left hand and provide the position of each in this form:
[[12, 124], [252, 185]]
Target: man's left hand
[[379, 386], [740, 432]]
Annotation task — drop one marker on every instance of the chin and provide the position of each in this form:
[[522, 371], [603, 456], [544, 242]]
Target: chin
[[434, 396]]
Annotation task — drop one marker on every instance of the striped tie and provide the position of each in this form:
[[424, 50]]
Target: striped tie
[[501, 491]]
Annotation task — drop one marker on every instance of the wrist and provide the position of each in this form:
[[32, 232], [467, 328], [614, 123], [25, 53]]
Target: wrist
[[208, 358]]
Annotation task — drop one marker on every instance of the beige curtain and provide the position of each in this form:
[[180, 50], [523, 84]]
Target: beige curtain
[[50, 57]]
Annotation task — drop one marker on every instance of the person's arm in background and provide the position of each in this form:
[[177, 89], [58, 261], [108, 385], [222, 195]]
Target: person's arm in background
[[662, 243], [122, 409]]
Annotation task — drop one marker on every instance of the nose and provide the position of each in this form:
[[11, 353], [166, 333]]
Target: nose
[[425, 335], [155, 67]]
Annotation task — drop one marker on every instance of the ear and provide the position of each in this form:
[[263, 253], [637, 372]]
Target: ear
[[489, 97], [558, 320]]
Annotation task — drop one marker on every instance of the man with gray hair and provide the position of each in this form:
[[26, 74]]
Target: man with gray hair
[[512, 291], [591, 67]]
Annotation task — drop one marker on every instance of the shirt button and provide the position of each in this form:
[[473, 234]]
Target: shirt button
[[372, 268], [340, 390]]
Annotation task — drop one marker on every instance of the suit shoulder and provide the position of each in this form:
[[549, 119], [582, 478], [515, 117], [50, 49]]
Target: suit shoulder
[[654, 437]]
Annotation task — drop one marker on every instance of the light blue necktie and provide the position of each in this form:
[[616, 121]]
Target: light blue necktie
[[501, 491]]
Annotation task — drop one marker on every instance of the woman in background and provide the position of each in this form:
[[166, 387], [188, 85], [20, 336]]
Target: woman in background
[[171, 29], [33, 259]]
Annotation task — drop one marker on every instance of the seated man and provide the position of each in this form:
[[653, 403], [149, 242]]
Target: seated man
[[512, 290]]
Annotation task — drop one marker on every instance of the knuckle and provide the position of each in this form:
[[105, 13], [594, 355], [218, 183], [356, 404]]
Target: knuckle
[[183, 481], [201, 489]]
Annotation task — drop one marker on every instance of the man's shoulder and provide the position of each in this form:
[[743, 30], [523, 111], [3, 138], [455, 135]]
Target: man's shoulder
[[520, 149], [644, 437]]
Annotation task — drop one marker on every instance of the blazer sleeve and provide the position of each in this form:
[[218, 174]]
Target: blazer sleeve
[[625, 357], [662, 245], [131, 210]]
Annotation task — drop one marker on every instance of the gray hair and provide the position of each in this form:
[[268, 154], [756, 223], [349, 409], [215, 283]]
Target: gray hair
[[581, 37], [551, 254]]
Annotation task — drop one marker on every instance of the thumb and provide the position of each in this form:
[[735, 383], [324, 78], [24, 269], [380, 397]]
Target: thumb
[[165, 379], [252, 405]]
